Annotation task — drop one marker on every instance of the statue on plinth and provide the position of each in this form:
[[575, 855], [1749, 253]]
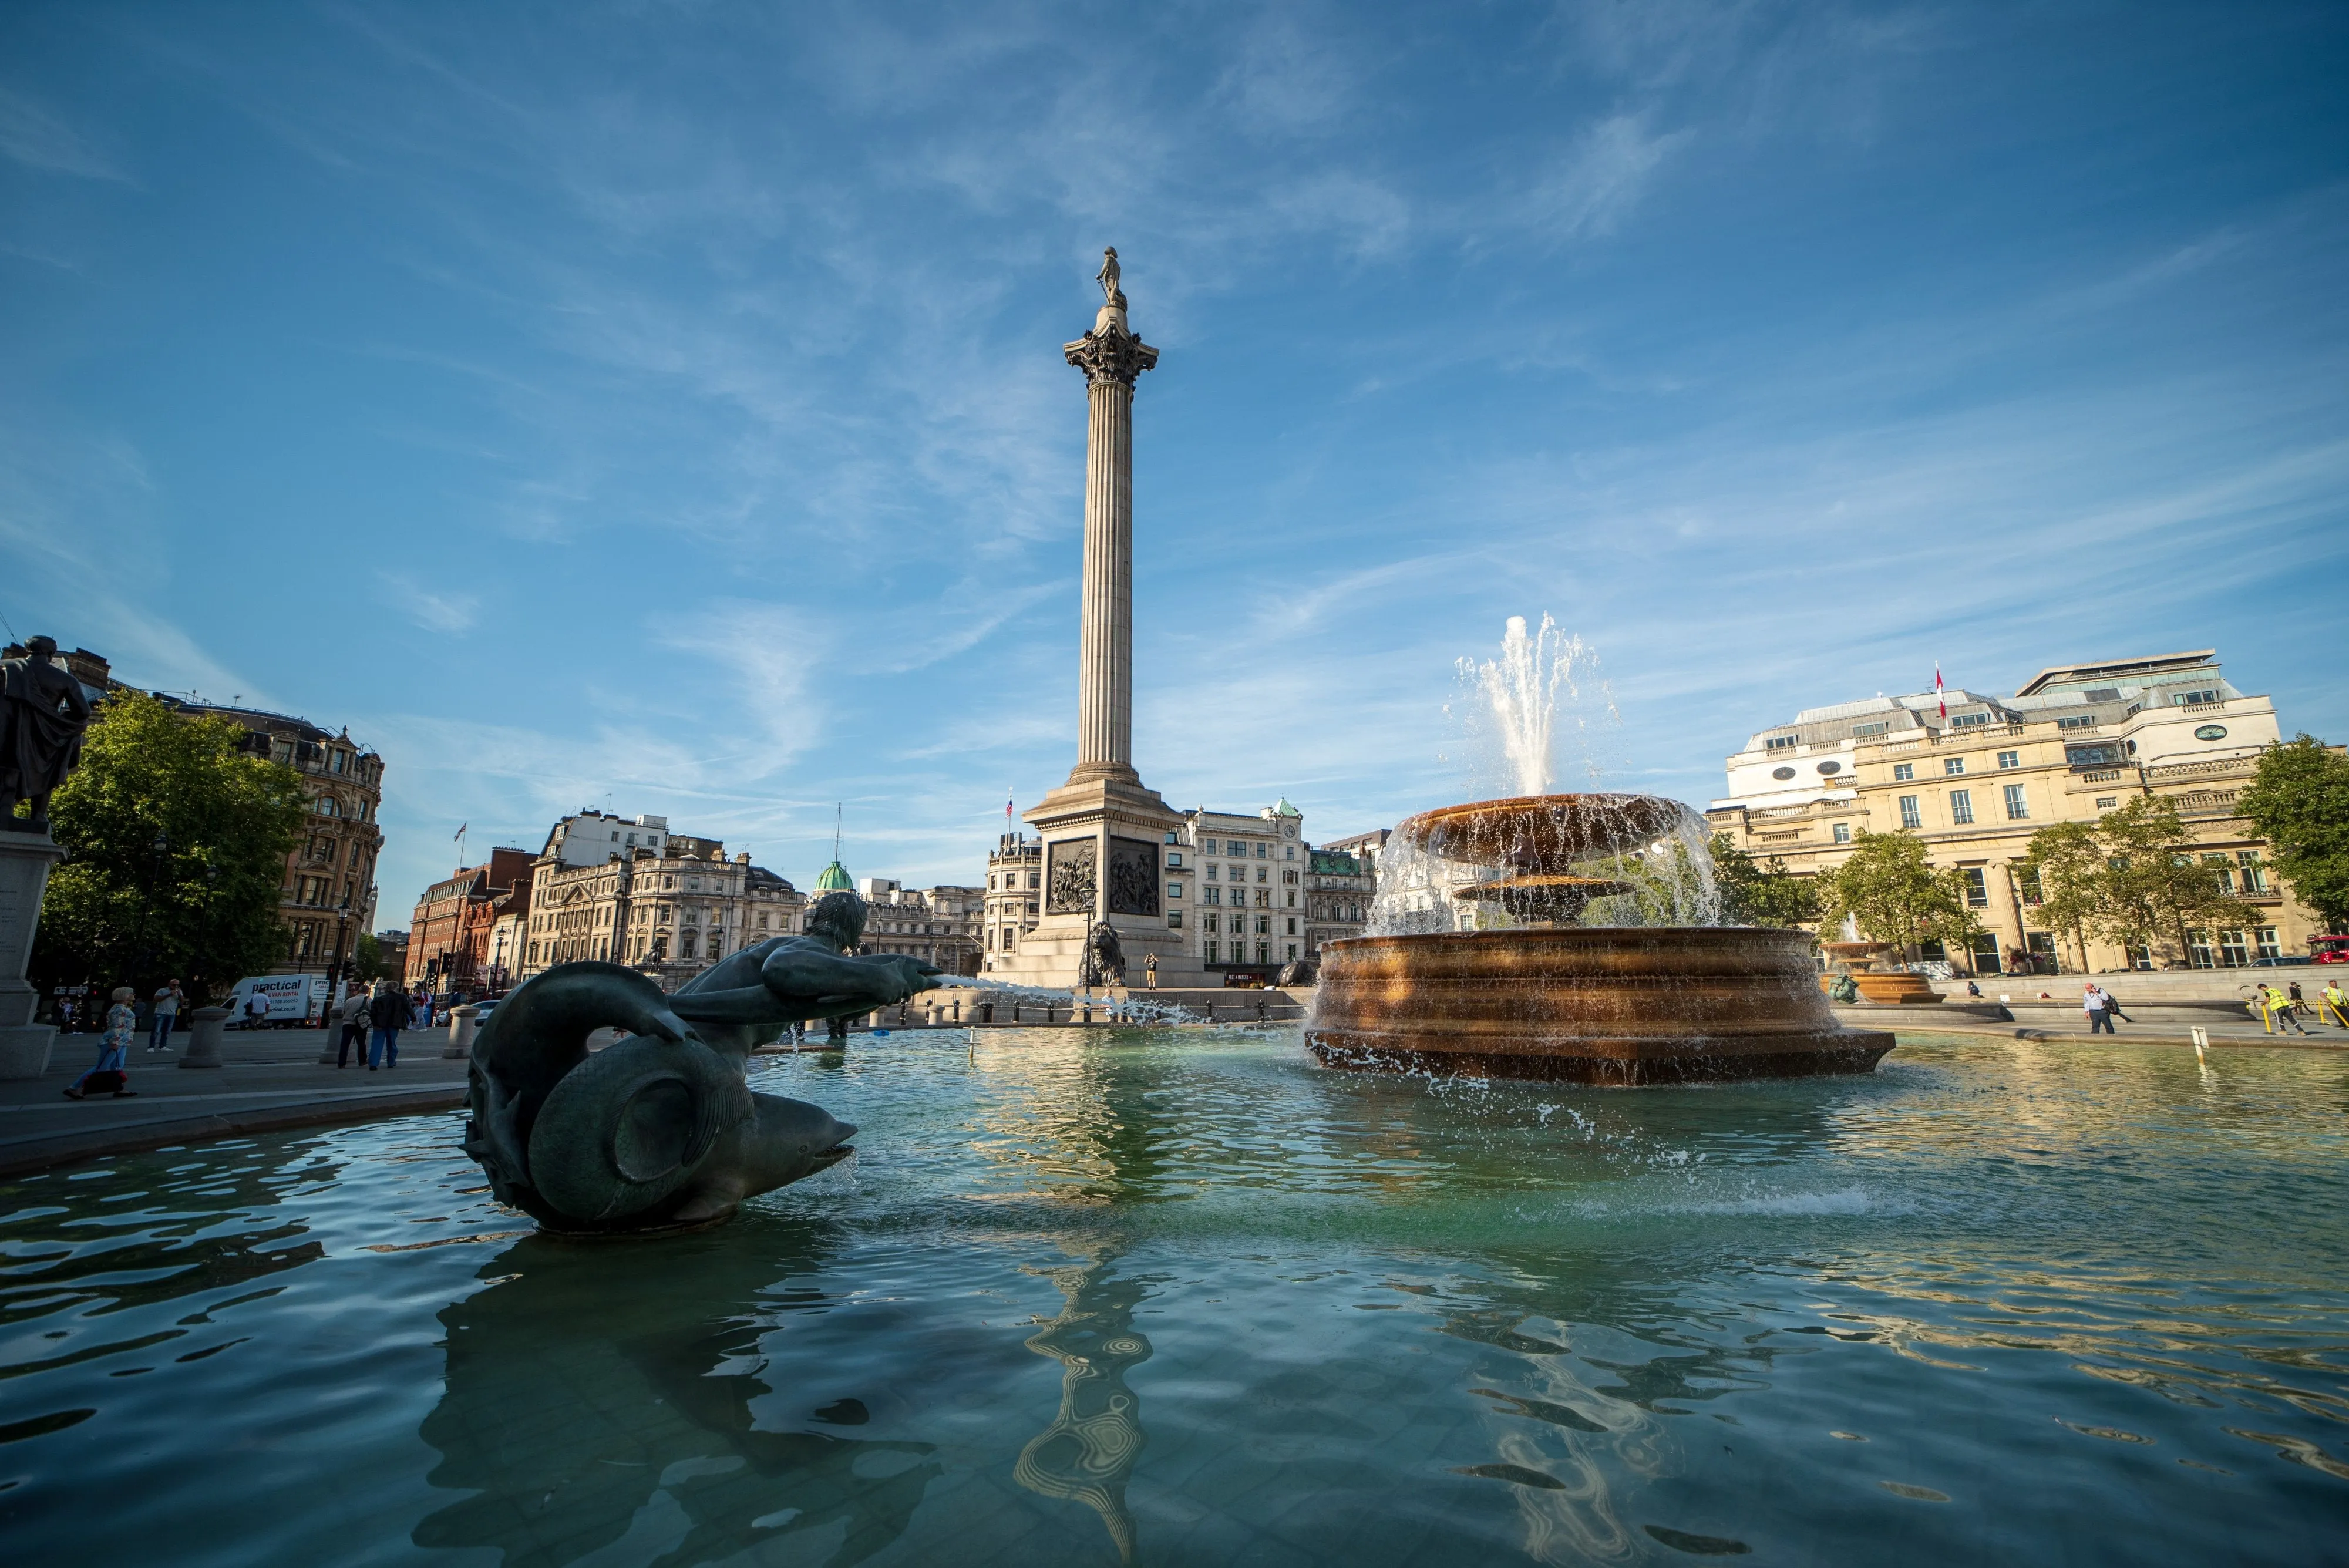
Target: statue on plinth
[[1104, 960], [43, 712], [661, 1130]]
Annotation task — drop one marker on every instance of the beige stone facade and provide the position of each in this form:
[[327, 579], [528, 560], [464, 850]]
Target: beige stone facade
[[670, 912], [1974, 776], [940, 925]]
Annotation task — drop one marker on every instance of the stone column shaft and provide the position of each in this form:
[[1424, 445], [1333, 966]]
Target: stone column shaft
[[1105, 668]]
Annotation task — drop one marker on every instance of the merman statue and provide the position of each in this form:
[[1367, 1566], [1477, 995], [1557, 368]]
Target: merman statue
[[661, 1130]]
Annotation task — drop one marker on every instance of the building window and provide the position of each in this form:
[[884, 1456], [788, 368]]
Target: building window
[[1843, 833], [1978, 893], [2232, 951], [2010, 760], [1876, 729], [2186, 698], [1780, 743], [2026, 884], [1985, 952], [1953, 765], [1174, 890], [1292, 949], [2081, 721], [1214, 895], [1292, 929], [2017, 809], [2107, 802], [1211, 870], [2043, 949], [1909, 816], [1962, 807], [2222, 872], [1903, 772], [1173, 860], [1214, 951], [2255, 875], [1264, 952], [2269, 947], [1968, 720], [2198, 950], [1173, 919]]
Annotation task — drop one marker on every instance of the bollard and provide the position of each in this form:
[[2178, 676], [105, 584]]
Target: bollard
[[205, 1040], [462, 1021], [958, 1010], [2201, 1041]]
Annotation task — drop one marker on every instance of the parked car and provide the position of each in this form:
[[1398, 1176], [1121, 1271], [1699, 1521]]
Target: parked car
[[2285, 961]]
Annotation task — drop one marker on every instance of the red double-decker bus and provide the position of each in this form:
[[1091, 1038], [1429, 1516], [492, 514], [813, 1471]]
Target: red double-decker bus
[[2329, 949]]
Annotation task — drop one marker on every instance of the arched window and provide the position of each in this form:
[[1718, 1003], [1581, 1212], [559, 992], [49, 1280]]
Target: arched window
[[685, 946], [325, 805]]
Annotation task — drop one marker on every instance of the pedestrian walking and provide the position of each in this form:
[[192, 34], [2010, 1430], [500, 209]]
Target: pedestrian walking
[[1150, 970], [257, 1010], [2092, 1003], [2298, 1005], [387, 1010], [166, 1015], [354, 1016], [112, 1071], [66, 1016]]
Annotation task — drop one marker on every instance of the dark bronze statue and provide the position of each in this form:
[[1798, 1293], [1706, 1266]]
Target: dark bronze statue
[[43, 712], [1104, 960], [661, 1130]]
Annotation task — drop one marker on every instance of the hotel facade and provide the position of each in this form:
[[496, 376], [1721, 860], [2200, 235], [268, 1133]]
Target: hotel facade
[[1974, 775]]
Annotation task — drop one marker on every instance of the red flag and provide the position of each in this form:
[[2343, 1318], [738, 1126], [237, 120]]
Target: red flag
[[1937, 689]]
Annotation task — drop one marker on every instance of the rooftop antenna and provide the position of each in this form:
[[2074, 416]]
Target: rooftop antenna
[[836, 832]]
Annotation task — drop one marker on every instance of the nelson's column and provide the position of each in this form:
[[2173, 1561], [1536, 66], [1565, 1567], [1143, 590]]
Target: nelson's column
[[1105, 835]]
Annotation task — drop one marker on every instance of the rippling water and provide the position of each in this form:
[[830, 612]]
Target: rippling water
[[1189, 1299]]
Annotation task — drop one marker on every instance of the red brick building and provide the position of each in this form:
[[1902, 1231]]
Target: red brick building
[[449, 939]]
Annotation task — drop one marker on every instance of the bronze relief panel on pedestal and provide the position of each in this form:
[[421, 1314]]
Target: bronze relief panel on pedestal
[[1133, 877], [1069, 879]]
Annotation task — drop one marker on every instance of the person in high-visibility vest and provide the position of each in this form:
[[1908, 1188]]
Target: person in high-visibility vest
[[2333, 1002], [2279, 1008]]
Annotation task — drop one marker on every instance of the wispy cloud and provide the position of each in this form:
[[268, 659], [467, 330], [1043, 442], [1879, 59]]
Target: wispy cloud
[[435, 609], [38, 139]]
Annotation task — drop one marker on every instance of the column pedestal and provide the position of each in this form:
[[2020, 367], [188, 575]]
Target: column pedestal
[[24, 862]]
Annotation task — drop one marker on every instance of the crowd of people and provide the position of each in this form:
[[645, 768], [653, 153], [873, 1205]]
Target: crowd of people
[[371, 1020]]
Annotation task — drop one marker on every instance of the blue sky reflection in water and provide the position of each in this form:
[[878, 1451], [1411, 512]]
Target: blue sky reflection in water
[[1198, 1301]]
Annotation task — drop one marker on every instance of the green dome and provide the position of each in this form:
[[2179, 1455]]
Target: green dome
[[834, 879], [1285, 809]]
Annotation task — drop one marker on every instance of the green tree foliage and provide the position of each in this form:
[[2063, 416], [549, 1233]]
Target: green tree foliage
[[1892, 893], [1761, 893], [176, 846], [2299, 801], [2155, 886], [366, 959], [2069, 862]]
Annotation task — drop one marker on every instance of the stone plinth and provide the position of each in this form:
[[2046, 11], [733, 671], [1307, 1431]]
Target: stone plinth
[[24, 862]]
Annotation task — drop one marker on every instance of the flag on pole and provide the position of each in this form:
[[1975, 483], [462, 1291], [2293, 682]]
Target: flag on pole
[[1007, 804], [459, 833], [1937, 689]]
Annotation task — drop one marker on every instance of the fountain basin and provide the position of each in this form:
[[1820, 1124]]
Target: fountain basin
[[1591, 1004]]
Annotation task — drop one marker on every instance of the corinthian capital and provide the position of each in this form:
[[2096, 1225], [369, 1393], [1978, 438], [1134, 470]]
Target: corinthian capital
[[1110, 353]]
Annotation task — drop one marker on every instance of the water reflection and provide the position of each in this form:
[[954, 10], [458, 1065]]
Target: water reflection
[[1089, 1450], [613, 1391]]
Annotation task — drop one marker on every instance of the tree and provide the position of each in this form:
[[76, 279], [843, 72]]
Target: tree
[[367, 958], [1891, 892], [2068, 862], [1762, 893], [2299, 801], [2155, 886], [176, 843]]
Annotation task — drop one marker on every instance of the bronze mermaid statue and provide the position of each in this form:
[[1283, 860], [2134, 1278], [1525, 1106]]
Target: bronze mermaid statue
[[661, 1131]]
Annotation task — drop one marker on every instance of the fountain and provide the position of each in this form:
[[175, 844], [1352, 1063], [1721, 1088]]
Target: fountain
[[1567, 936]]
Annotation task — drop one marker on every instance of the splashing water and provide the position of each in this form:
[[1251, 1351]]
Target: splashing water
[[1518, 705]]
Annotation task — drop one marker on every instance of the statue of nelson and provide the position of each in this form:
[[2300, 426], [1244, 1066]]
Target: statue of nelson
[[43, 714]]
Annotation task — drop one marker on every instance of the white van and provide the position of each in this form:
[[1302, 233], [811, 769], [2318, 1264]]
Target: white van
[[294, 1000]]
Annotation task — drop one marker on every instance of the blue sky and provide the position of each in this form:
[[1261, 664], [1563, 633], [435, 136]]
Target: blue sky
[[663, 403]]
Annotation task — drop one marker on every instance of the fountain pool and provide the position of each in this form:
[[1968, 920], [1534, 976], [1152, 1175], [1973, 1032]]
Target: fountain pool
[[1184, 1297]]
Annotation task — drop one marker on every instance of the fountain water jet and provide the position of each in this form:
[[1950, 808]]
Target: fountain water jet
[[1479, 960]]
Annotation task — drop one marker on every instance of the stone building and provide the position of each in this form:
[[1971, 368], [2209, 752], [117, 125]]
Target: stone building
[[1012, 900], [1242, 895], [1974, 775], [449, 935], [939, 925], [670, 904], [1337, 899], [328, 896]]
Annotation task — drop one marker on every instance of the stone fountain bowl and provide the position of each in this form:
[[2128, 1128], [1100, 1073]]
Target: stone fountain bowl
[[1541, 833], [1594, 1004]]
